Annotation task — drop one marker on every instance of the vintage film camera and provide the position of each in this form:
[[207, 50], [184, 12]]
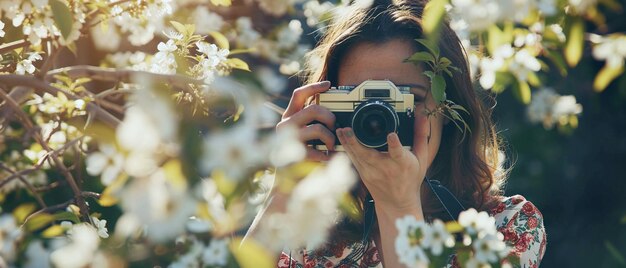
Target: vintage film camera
[[372, 109]]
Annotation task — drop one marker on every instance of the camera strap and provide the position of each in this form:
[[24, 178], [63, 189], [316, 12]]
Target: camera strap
[[452, 205]]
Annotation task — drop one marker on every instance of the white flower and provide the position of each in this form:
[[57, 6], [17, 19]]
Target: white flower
[[289, 36], [488, 248], [2, 33], [81, 250], [477, 14], [36, 255], [437, 238], [286, 147], [477, 222], [170, 46], [137, 131], [106, 38], [158, 204], [548, 107], [103, 232], [611, 49], [565, 106], [26, 65], [9, 236], [317, 194], [411, 253], [523, 64], [272, 81], [214, 54], [488, 69], [314, 11], [216, 253], [206, 21], [108, 162], [232, 151], [247, 35]]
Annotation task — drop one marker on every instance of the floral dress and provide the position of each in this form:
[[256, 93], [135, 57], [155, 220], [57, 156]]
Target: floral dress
[[517, 219]]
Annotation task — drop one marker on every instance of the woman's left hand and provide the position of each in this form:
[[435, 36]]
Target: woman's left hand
[[393, 178]]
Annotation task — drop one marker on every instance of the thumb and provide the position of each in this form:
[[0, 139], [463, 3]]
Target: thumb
[[396, 151]]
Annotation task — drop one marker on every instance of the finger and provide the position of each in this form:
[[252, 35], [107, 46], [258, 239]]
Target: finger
[[318, 132], [394, 147], [301, 94], [316, 155], [354, 144], [313, 113]]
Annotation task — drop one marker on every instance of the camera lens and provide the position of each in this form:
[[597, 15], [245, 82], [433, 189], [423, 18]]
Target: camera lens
[[372, 121]]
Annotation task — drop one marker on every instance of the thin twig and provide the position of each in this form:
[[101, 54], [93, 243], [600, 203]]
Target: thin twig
[[128, 76], [52, 56], [84, 210], [32, 82], [49, 209], [26, 183]]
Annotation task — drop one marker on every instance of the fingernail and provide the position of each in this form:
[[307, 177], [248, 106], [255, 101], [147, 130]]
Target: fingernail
[[349, 133], [324, 83]]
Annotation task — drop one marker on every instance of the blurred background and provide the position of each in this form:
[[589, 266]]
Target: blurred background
[[572, 170]]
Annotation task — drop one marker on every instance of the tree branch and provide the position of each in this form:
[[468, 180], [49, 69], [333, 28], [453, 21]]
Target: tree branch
[[26, 183], [128, 76], [32, 82], [80, 200]]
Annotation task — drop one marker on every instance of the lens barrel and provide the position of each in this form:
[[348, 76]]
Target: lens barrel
[[372, 121]]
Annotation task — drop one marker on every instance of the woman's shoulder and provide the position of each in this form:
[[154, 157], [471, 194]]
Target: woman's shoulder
[[511, 207], [521, 223]]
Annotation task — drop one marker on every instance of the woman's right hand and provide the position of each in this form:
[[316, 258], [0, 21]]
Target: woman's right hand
[[301, 117]]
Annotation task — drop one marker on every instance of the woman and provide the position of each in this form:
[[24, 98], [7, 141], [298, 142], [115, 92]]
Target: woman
[[372, 43]]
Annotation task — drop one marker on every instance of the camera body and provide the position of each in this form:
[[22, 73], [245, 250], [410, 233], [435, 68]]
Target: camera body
[[372, 109]]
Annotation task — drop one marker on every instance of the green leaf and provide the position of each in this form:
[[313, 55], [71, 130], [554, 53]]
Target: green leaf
[[179, 27], [38, 221], [434, 13], [605, 76], [438, 88], [429, 74], [66, 216], [430, 45], [615, 253], [533, 80], [503, 80], [53, 231], [421, 56], [575, 42], [220, 40], [521, 90], [21, 212], [558, 60], [62, 17], [237, 64]]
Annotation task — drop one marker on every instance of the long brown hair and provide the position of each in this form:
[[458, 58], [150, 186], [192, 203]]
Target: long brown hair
[[465, 164]]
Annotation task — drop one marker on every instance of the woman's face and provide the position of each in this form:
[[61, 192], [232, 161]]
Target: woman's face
[[385, 61]]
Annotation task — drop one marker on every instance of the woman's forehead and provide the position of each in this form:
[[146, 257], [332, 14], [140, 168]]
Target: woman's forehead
[[380, 61]]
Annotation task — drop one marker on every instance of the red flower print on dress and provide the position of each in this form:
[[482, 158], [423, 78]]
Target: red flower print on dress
[[499, 208], [510, 235], [528, 209], [532, 223], [517, 199]]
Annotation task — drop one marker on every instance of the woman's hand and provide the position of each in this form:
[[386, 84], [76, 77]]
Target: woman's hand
[[301, 117], [393, 178]]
